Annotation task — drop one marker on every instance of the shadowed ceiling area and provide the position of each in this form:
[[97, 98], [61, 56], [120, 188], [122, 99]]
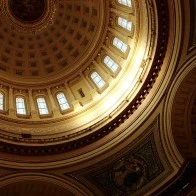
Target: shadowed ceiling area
[[34, 188]]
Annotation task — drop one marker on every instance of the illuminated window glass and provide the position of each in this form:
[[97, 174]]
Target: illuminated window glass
[[1, 101], [124, 23], [20, 106], [41, 103], [97, 80], [110, 64], [63, 103], [125, 2], [120, 44]]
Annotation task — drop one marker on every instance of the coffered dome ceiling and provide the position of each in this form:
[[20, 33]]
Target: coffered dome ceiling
[[49, 38], [57, 49]]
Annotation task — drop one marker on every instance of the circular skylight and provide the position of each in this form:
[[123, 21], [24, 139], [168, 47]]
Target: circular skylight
[[27, 10]]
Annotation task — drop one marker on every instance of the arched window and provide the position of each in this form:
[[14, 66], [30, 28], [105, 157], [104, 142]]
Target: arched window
[[125, 2], [63, 103], [20, 106], [97, 80], [1, 101], [41, 103], [124, 23], [120, 44], [110, 64]]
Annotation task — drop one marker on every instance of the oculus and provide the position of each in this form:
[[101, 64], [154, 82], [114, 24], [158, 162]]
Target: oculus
[[27, 10], [28, 16]]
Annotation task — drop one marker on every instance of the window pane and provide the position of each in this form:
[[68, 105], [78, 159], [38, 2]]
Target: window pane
[[41, 103], [120, 44], [63, 103], [124, 23], [1, 101], [125, 2], [97, 80], [20, 105], [110, 64]]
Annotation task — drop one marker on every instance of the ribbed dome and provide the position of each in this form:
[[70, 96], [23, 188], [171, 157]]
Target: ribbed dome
[[37, 43]]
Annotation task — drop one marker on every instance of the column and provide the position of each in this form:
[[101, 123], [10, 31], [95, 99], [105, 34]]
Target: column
[[90, 87], [33, 110], [12, 111], [76, 104], [69, 92], [52, 102]]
